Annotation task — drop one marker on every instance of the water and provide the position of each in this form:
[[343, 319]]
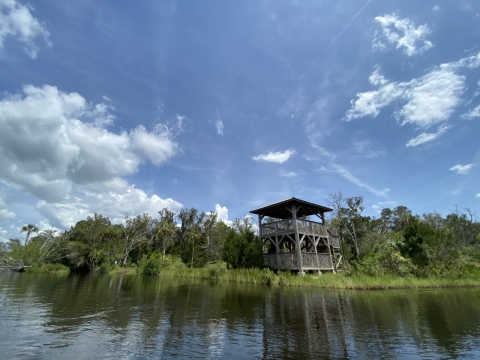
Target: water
[[133, 317]]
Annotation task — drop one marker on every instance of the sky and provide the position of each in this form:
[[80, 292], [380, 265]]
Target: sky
[[122, 108]]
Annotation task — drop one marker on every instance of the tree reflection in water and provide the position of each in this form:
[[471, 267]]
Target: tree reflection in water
[[97, 316]]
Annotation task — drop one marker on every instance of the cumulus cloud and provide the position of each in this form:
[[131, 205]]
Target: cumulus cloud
[[5, 214], [222, 214], [478, 195], [426, 137], [156, 145], [51, 140], [461, 169], [275, 157], [427, 101], [17, 21], [54, 146], [129, 201], [402, 33]]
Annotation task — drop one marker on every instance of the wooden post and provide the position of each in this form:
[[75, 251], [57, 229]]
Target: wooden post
[[297, 240]]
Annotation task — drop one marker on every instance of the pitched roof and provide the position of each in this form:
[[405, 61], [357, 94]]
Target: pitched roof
[[280, 210]]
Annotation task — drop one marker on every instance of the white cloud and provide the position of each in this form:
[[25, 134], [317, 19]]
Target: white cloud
[[376, 78], [461, 169], [3, 232], [472, 114], [54, 146], [428, 100], [288, 174], [275, 157], [157, 145], [222, 214], [426, 137], [47, 143], [129, 201], [219, 126], [436, 8], [432, 98], [44, 224], [403, 34], [478, 195], [371, 102], [16, 20], [5, 214]]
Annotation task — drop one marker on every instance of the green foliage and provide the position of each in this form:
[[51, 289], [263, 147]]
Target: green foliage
[[49, 268], [156, 262], [242, 249], [269, 277]]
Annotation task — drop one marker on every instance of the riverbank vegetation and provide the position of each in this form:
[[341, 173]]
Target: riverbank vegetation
[[392, 250]]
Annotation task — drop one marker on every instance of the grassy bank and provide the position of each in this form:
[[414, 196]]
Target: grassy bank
[[341, 281], [58, 269]]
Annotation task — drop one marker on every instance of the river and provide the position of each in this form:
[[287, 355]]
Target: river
[[134, 317]]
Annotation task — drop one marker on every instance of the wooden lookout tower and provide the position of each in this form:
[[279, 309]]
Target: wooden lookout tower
[[291, 241]]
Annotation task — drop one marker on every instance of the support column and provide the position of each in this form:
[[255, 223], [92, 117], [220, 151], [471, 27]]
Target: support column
[[297, 240]]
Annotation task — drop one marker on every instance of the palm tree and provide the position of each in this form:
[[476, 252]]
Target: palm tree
[[29, 229]]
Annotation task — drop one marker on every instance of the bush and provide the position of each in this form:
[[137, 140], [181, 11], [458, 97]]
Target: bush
[[156, 262], [215, 271], [268, 277]]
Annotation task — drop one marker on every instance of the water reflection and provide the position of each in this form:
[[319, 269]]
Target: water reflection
[[142, 317]]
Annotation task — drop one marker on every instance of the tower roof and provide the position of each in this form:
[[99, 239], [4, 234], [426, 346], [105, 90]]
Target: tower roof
[[280, 210]]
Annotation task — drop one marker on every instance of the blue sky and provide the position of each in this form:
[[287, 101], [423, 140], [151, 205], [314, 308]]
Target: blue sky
[[121, 107]]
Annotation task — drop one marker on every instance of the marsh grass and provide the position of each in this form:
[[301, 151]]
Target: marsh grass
[[220, 273], [58, 269]]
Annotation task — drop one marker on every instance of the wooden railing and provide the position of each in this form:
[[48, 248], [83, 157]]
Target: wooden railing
[[290, 261], [334, 240], [288, 226]]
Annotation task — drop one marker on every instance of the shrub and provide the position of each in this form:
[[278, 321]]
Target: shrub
[[269, 277], [156, 262]]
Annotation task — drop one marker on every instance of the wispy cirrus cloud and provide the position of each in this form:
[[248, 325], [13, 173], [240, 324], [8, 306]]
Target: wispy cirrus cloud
[[461, 169], [17, 21], [402, 33], [426, 137], [346, 174], [472, 114], [275, 157]]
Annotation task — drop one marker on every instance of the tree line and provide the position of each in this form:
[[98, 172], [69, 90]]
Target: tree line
[[400, 243], [95, 244], [396, 242]]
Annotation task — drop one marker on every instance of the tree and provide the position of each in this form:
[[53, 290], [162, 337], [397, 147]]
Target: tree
[[164, 229], [48, 246], [135, 232], [88, 242], [29, 229], [207, 226], [348, 218]]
